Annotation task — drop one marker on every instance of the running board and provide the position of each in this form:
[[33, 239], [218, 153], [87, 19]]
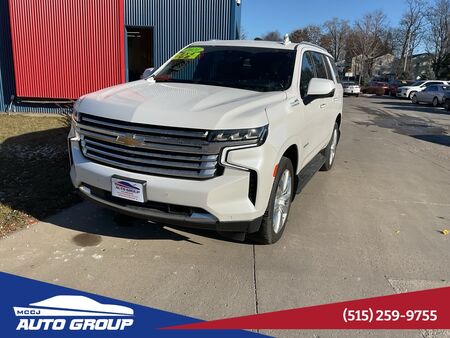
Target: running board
[[309, 170]]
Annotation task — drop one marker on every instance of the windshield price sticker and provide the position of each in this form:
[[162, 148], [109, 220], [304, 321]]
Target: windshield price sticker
[[189, 53], [369, 315]]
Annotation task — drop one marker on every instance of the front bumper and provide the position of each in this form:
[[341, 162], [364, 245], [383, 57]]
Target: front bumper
[[402, 94], [222, 203], [196, 220]]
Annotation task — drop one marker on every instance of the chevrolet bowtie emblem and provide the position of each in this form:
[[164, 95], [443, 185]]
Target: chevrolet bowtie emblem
[[130, 140]]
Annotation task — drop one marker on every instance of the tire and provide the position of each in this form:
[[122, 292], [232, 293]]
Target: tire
[[435, 102], [414, 99], [411, 95], [270, 230], [330, 151], [447, 104]]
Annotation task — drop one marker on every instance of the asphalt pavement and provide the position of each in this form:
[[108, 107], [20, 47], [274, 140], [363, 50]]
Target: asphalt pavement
[[370, 227]]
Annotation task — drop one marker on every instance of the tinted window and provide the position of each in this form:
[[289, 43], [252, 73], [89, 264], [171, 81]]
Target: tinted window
[[433, 88], [418, 83], [257, 69], [336, 73], [321, 71], [307, 73], [328, 68]]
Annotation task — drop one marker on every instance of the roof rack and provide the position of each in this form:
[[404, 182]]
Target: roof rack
[[312, 45]]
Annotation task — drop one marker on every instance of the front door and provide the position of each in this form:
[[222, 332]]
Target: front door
[[313, 112]]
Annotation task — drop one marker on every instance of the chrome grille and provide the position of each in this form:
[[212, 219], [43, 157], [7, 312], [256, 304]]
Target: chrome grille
[[164, 151]]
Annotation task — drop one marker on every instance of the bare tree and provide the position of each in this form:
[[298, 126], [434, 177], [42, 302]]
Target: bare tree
[[438, 40], [272, 36], [367, 41], [410, 31], [243, 34], [310, 33], [336, 32]]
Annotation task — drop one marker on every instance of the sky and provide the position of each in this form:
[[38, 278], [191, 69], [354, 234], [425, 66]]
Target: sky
[[262, 16]]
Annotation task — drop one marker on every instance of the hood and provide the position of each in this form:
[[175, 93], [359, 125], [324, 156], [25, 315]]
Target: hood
[[181, 105]]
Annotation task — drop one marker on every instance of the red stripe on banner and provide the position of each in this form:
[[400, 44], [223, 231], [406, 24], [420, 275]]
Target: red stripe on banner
[[427, 309]]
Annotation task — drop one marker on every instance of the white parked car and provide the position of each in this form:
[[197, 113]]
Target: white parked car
[[433, 95], [351, 88], [215, 139], [409, 91]]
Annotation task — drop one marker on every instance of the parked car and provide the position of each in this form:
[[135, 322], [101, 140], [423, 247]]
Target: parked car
[[409, 91], [375, 87], [214, 139], [396, 84], [446, 100], [351, 88], [433, 94]]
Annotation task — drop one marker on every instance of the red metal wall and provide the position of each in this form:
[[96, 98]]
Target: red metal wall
[[66, 48]]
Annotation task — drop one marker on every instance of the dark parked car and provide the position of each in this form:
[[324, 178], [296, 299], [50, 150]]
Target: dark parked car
[[394, 85], [378, 88], [446, 100]]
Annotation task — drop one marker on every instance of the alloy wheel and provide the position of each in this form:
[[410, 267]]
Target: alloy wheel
[[333, 146], [283, 198]]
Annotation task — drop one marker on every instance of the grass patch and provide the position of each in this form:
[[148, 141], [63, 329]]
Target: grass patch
[[34, 169]]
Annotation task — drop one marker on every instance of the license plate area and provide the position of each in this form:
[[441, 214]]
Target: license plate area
[[128, 189]]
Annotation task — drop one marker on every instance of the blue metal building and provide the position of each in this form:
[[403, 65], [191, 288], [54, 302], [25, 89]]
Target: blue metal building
[[176, 23], [153, 31]]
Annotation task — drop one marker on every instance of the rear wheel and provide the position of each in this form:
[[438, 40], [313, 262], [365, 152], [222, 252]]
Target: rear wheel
[[276, 215], [330, 151], [414, 99], [435, 102]]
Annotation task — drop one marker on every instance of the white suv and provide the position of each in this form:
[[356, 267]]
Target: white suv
[[409, 91], [215, 139]]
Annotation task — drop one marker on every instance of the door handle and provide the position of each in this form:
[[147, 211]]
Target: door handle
[[323, 106], [294, 103]]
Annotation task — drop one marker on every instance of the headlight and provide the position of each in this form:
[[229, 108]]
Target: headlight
[[75, 116], [75, 112], [251, 136]]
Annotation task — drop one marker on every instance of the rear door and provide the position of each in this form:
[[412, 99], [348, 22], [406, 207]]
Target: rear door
[[327, 104]]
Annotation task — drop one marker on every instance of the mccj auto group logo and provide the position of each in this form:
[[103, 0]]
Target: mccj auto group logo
[[75, 313]]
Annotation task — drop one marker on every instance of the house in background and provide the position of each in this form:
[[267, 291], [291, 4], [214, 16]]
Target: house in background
[[422, 66], [380, 67]]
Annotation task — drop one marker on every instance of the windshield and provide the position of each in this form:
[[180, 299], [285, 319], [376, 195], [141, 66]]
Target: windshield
[[418, 83], [257, 69]]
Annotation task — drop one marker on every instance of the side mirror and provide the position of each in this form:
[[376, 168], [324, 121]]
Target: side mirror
[[147, 72], [319, 88]]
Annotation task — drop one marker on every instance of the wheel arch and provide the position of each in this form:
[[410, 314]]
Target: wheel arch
[[339, 120], [292, 153]]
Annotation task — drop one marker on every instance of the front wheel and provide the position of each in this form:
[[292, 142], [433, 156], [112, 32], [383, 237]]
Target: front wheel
[[447, 104], [435, 102], [276, 215], [411, 95], [330, 151], [414, 99]]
